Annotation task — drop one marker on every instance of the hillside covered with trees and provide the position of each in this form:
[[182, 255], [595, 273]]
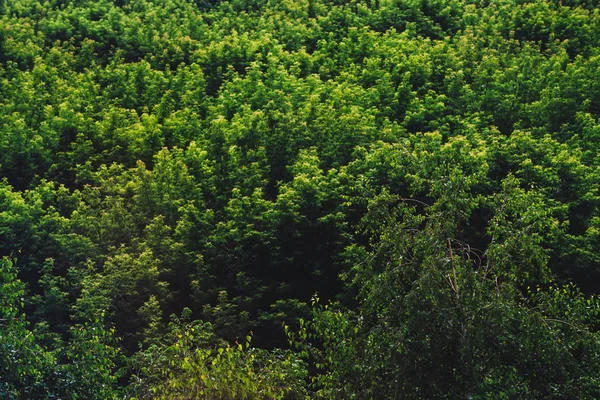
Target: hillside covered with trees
[[291, 199]]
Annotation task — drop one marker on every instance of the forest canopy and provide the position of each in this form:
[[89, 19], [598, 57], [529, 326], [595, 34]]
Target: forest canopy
[[336, 199]]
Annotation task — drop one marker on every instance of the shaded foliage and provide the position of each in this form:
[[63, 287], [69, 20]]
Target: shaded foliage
[[429, 167]]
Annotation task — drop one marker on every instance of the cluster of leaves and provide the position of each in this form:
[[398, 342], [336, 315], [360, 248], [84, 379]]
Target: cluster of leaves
[[36, 364], [187, 364], [438, 319], [421, 162]]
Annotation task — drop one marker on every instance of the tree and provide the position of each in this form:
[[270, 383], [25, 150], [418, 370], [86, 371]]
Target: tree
[[439, 319], [36, 364]]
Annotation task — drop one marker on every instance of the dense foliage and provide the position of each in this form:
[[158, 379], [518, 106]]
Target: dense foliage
[[409, 189]]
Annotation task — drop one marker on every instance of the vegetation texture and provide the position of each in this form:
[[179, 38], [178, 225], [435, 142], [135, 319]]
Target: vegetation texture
[[291, 199]]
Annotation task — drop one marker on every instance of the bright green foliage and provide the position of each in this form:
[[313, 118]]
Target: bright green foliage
[[419, 164], [184, 365], [91, 358]]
